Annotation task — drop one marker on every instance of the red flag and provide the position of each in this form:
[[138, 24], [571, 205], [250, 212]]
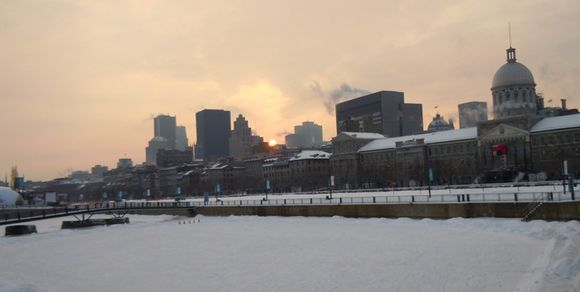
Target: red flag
[[499, 149]]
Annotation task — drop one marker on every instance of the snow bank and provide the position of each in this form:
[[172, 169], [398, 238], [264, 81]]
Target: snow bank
[[156, 253]]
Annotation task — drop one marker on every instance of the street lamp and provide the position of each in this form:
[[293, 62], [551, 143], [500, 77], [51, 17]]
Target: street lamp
[[267, 188], [330, 185]]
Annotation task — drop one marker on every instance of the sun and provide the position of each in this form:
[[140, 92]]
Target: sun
[[272, 142]]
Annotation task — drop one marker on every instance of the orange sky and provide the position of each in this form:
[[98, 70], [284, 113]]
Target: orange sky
[[81, 80]]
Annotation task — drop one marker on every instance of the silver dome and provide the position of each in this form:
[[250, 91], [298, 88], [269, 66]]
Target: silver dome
[[512, 73]]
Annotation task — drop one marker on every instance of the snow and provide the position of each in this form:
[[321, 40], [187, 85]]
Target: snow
[[555, 123], [310, 154], [364, 135], [156, 253], [429, 138]]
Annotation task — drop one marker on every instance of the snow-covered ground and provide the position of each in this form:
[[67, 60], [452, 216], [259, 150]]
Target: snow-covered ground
[[156, 253]]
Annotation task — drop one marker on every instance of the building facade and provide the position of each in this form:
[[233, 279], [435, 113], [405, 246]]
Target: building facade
[[213, 134], [344, 164], [383, 112], [241, 139], [181, 141], [309, 171], [307, 135], [164, 126]]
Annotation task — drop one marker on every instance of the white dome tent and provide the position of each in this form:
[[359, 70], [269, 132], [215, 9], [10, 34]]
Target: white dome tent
[[8, 197]]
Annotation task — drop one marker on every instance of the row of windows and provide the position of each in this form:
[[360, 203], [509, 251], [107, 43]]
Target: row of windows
[[459, 148], [519, 95], [452, 149], [556, 139]]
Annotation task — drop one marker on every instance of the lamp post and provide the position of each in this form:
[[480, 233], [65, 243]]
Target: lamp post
[[217, 191], [564, 174], [330, 185], [430, 180], [266, 188]]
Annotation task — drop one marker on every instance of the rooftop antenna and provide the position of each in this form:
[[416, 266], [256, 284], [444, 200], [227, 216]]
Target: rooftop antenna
[[510, 33]]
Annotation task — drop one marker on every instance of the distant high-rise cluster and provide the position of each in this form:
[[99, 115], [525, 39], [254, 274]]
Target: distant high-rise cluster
[[383, 112], [167, 136], [307, 135]]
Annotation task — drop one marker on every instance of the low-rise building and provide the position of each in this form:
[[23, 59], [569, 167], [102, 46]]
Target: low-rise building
[[310, 170], [344, 160]]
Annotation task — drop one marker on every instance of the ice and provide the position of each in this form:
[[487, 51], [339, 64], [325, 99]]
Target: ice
[[156, 253]]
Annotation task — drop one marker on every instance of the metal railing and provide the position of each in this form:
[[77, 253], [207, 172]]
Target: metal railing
[[14, 215], [557, 196]]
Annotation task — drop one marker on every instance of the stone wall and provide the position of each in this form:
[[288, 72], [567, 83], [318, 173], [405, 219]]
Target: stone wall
[[548, 211]]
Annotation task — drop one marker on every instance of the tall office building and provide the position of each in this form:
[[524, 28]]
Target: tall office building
[[472, 112], [241, 140], [383, 112], [213, 134], [164, 126], [307, 135], [181, 141]]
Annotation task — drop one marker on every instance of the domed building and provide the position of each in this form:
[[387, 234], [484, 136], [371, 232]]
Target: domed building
[[513, 89], [439, 124]]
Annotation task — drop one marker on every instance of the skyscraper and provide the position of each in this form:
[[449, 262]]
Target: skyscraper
[[181, 141], [213, 133], [241, 139], [472, 112], [164, 126], [383, 112], [307, 135]]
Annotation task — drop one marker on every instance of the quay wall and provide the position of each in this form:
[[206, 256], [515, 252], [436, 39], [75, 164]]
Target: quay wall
[[548, 211]]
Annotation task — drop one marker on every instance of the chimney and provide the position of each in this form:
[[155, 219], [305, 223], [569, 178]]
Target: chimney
[[563, 103]]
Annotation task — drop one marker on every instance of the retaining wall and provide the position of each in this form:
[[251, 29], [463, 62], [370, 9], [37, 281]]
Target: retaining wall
[[548, 211]]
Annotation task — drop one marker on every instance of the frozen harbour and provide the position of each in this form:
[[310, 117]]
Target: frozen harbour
[[156, 253]]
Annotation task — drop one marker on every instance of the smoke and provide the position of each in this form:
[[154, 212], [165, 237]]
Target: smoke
[[283, 134], [66, 172], [474, 114], [343, 92], [148, 118]]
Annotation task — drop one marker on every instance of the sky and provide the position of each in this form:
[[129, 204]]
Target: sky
[[80, 81]]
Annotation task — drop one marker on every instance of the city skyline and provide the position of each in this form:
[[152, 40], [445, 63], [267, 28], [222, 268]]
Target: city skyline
[[81, 82]]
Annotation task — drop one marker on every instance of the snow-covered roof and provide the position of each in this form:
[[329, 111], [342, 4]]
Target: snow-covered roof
[[429, 138], [557, 123], [310, 154], [218, 165], [364, 135]]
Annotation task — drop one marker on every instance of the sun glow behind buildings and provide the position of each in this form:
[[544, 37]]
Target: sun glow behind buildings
[[272, 143]]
